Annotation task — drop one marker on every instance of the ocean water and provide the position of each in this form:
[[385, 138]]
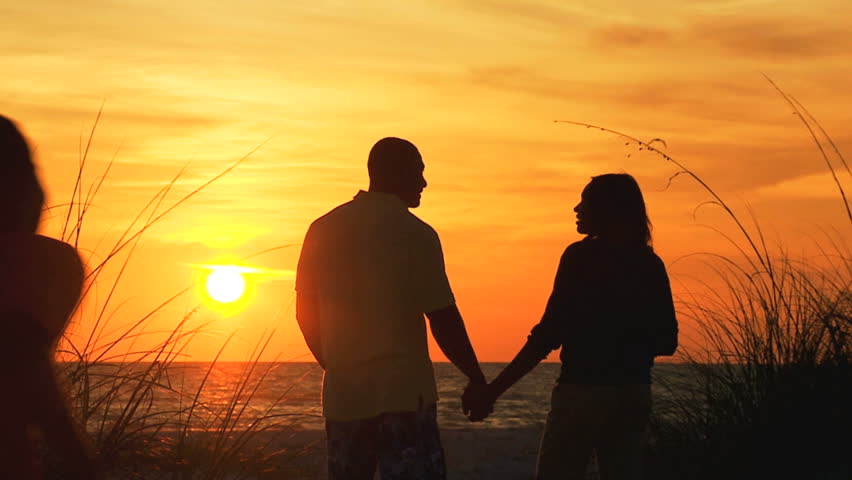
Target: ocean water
[[289, 393]]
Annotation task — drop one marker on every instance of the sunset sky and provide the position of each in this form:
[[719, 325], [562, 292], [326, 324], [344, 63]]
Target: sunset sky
[[475, 85]]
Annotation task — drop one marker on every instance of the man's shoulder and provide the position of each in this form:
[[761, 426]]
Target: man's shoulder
[[350, 213], [418, 227], [331, 216]]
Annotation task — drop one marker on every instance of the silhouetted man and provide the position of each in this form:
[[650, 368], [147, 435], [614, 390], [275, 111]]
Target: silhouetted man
[[368, 271]]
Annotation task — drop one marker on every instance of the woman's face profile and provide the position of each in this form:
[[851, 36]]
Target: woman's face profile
[[584, 215]]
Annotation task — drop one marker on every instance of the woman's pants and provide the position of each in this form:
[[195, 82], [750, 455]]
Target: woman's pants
[[610, 420]]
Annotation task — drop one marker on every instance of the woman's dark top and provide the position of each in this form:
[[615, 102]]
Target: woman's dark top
[[611, 311]]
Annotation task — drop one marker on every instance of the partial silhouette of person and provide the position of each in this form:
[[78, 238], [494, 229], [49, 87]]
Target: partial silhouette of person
[[368, 272], [611, 312], [40, 284]]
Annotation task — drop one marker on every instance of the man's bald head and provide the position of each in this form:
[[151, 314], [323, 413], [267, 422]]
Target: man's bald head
[[395, 166]]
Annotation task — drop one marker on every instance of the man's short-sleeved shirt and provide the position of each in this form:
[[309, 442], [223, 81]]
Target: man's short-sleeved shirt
[[374, 269]]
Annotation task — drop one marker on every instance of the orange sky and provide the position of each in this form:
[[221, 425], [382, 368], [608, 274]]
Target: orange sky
[[476, 85]]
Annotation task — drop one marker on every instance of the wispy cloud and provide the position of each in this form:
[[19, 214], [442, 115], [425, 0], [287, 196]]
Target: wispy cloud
[[556, 15], [770, 37], [632, 36], [774, 37]]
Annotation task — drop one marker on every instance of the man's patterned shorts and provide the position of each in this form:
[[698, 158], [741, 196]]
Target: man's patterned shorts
[[403, 445]]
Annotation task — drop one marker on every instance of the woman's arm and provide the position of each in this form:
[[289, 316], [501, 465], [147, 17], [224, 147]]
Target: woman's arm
[[545, 337], [665, 332]]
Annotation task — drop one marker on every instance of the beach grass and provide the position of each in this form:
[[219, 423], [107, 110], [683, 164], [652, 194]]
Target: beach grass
[[116, 390]]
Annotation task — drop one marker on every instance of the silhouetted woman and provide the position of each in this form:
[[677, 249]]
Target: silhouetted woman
[[40, 284], [611, 311]]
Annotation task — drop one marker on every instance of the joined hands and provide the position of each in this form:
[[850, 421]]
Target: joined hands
[[478, 401]]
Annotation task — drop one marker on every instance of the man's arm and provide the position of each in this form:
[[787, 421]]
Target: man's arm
[[307, 315], [435, 298], [449, 331], [307, 302], [450, 334]]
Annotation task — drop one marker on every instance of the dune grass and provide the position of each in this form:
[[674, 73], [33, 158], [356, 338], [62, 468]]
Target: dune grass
[[141, 419], [766, 393]]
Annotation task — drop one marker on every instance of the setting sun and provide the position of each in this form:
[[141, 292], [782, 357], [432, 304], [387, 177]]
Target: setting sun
[[225, 284]]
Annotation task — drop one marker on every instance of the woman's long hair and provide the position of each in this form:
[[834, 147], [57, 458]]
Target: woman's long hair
[[615, 199], [21, 195]]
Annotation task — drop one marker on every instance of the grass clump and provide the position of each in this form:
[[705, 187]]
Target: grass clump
[[768, 394], [145, 416]]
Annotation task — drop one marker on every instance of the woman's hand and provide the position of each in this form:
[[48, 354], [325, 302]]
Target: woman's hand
[[478, 401]]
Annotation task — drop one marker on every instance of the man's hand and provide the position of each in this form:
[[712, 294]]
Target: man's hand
[[478, 401]]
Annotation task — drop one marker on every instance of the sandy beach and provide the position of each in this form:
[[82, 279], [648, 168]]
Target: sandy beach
[[499, 454]]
